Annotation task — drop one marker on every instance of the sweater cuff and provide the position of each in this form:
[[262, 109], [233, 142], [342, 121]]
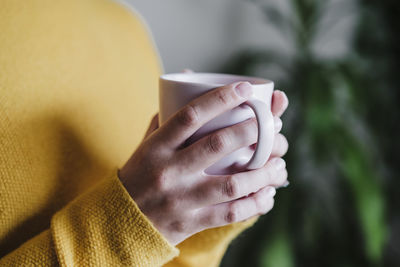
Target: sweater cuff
[[105, 227], [208, 247]]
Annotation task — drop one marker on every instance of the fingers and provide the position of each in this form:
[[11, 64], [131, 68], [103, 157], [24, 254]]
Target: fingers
[[238, 210], [280, 146], [201, 110], [153, 126], [277, 124], [214, 146], [224, 188], [279, 103]]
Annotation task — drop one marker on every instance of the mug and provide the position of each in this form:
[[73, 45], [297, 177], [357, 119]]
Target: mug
[[178, 89]]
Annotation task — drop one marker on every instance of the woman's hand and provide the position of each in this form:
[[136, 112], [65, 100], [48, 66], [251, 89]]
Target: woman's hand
[[168, 182]]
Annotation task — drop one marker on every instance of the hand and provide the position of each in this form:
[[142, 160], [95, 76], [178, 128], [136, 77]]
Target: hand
[[168, 182], [279, 104]]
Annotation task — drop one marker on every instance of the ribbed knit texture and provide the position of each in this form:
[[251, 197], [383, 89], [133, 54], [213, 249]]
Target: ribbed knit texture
[[78, 87]]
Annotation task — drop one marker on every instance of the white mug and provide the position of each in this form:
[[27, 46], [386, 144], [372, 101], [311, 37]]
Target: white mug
[[178, 89]]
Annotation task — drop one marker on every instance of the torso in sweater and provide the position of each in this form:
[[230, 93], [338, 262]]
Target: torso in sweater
[[78, 85]]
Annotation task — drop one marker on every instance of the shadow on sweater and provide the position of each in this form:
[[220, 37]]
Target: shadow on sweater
[[76, 167]]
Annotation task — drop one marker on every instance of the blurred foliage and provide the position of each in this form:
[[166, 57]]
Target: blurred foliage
[[342, 207]]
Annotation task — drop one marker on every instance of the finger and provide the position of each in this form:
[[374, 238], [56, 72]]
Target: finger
[[280, 146], [209, 149], [284, 185], [238, 210], [224, 188], [201, 110], [187, 71], [279, 103], [153, 126], [277, 124]]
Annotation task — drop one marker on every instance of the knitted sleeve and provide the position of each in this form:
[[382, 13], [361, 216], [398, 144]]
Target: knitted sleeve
[[103, 227], [208, 247]]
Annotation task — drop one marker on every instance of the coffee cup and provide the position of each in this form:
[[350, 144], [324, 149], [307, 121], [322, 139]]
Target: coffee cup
[[178, 89]]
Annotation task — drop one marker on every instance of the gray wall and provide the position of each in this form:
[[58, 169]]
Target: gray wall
[[202, 35]]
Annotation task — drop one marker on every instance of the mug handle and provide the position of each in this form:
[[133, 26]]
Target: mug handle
[[266, 133]]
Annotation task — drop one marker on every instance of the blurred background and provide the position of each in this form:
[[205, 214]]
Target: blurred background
[[338, 61]]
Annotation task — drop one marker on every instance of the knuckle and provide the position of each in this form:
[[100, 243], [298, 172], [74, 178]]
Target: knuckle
[[188, 116], [211, 219], [224, 96], [230, 187], [170, 203], [160, 179], [178, 226], [148, 149], [232, 214], [217, 142]]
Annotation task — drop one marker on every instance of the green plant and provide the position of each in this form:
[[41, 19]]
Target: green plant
[[337, 208]]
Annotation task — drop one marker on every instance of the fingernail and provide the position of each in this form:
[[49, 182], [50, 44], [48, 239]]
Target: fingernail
[[284, 185], [278, 163], [271, 191], [244, 89]]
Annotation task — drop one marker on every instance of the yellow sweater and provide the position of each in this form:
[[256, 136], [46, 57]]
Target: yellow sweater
[[78, 86]]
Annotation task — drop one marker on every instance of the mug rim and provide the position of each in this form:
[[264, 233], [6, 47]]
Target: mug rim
[[253, 80]]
